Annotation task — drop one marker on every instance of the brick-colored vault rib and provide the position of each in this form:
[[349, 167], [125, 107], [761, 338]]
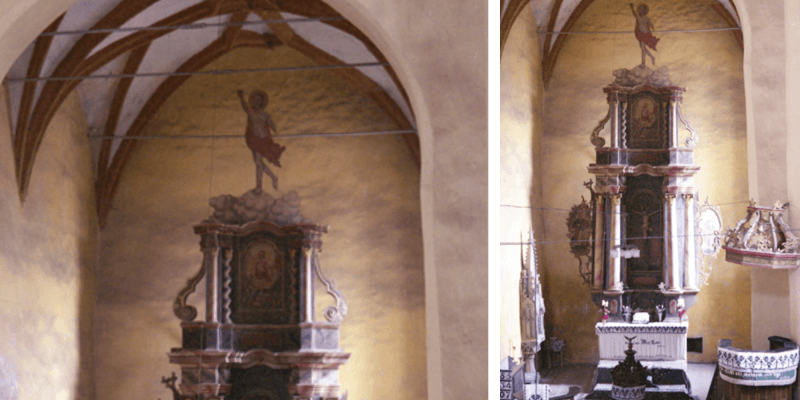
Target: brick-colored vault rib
[[131, 66], [549, 58], [119, 96], [730, 20], [507, 20], [76, 64], [40, 50], [357, 79], [316, 9], [54, 92], [107, 183], [551, 27]]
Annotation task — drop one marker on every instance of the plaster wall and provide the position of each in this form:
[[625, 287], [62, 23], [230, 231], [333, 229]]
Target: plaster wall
[[521, 92], [47, 265], [365, 188], [765, 68], [439, 52], [792, 34], [709, 66]]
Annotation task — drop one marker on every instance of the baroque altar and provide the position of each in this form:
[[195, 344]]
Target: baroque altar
[[643, 240], [260, 337]]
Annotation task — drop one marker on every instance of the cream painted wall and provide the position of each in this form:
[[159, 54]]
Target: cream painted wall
[[48, 249], [792, 41], [443, 67], [708, 64], [365, 188], [765, 70], [521, 92], [439, 52]]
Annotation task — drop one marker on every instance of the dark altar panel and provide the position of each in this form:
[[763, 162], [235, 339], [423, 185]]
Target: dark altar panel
[[259, 383], [644, 228], [647, 123], [264, 280]]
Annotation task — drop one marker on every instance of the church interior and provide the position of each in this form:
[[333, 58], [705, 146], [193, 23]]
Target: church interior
[[738, 61], [121, 120]]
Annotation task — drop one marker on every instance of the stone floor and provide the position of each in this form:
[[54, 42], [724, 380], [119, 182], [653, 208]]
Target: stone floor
[[581, 375]]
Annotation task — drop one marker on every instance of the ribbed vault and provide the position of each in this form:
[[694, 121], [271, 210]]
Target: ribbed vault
[[555, 20], [96, 38]]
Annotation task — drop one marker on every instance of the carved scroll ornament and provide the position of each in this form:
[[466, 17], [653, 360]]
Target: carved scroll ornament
[[596, 140], [339, 311], [182, 310], [691, 141]]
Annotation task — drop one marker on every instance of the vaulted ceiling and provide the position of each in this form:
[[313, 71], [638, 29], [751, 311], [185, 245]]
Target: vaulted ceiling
[[555, 20], [151, 47]]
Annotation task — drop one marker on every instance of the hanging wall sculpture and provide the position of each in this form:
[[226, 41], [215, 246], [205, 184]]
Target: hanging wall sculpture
[[709, 237], [580, 226], [762, 239]]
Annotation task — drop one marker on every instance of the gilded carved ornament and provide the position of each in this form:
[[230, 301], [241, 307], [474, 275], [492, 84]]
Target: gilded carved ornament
[[709, 235], [580, 231], [762, 239]]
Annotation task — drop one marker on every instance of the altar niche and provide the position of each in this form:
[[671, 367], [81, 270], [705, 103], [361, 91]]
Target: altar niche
[[644, 228]]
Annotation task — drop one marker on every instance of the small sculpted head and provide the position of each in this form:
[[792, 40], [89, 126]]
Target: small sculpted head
[[258, 99]]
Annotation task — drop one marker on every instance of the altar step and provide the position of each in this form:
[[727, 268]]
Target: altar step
[[581, 375]]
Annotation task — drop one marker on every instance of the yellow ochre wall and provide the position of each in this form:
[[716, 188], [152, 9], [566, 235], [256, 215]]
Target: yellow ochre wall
[[48, 251], [365, 188], [709, 65], [521, 93]]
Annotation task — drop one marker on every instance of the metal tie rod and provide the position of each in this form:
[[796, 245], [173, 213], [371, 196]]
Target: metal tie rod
[[201, 25], [193, 73], [293, 135], [628, 32]]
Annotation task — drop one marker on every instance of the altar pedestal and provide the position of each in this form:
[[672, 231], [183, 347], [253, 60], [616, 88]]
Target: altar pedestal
[[659, 346], [657, 341]]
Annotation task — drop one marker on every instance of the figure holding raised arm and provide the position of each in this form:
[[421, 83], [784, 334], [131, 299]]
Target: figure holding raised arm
[[259, 135], [643, 31]]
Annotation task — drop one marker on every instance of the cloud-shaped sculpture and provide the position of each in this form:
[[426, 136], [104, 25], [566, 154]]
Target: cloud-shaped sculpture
[[256, 205], [641, 76]]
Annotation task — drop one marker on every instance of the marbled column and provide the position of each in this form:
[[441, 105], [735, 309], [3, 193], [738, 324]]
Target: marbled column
[[599, 244], [210, 246], [614, 127], [673, 269], [673, 124], [690, 261], [615, 283], [307, 285], [623, 133]]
